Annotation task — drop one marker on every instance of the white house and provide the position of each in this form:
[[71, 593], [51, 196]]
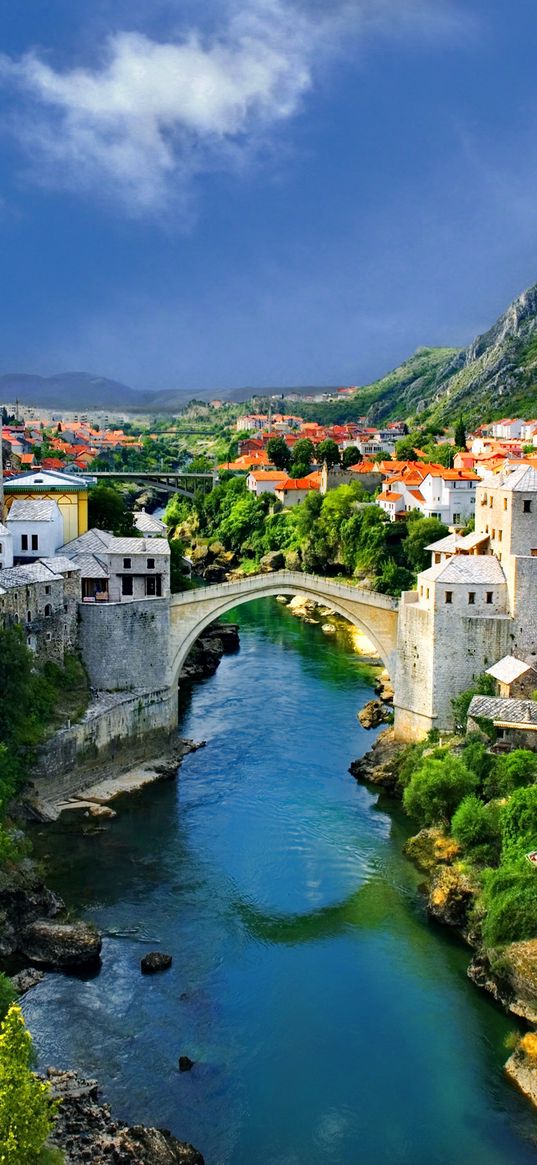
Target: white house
[[36, 528], [265, 481], [148, 525], [446, 494], [6, 548], [294, 489], [507, 428]]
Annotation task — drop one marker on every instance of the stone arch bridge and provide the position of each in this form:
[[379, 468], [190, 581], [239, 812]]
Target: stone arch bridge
[[191, 612]]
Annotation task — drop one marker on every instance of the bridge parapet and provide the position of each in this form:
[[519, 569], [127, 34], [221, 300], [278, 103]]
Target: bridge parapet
[[376, 615]]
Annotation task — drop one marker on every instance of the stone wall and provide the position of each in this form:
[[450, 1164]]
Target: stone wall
[[126, 646], [116, 729]]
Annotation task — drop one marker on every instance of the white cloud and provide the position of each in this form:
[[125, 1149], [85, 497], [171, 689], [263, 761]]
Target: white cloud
[[141, 123]]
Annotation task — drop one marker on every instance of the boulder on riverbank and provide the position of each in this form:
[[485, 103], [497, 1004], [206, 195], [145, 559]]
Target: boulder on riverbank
[[510, 976], [521, 1067], [430, 848], [379, 765], [23, 899], [61, 945], [87, 1133], [451, 895], [204, 657], [274, 560], [373, 713]]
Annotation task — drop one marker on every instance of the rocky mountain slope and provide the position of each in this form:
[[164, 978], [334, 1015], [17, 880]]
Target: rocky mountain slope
[[495, 376]]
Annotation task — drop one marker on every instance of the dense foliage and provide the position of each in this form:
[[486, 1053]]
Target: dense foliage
[[488, 803], [340, 534], [26, 1109], [108, 509]]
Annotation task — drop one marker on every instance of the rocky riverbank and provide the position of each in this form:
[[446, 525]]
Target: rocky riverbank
[[88, 1134], [451, 892], [34, 926], [204, 657]]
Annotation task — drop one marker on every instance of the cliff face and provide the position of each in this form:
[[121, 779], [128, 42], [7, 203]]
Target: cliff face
[[495, 375]]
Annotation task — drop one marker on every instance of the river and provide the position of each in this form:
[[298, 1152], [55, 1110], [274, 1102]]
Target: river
[[328, 1021]]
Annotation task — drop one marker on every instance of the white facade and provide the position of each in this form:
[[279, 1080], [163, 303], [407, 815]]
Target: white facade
[[6, 548], [448, 496], [264, 481], [36, 528], [507, 428]]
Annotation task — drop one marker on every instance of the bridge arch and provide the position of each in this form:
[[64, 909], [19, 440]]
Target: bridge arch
[[191, 612]]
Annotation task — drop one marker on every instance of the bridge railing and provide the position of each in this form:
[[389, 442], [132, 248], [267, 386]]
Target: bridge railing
[[287, 580]]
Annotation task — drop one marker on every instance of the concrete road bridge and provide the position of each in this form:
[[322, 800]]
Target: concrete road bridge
[[191, 612], [185, 483]]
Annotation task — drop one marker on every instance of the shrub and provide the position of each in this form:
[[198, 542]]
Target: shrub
[[511, 772], [510, 901], [8, 995], [477, 757], [484, 686], [519, 824], [26, 1110], [476, 827], [437, 787]]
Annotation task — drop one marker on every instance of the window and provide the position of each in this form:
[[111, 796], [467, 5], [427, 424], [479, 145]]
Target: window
[[28, 616], [456, 519], [153, 586], [490, 595], [47, 590], [471, 598], [126, 585], [493, 533], [48, 611], [486, 529], [526, 506], [505, 503], [24, 541], [491, 502], [127, 564], [449, 597], [427, 595], [35, 542], [48, 637], [421, 591], [1, 548], [500, 535], [151, 564]]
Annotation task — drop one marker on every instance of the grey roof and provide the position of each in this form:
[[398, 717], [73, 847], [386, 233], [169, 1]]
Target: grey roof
[[32, 511], [500, 711], [44, 480], [90, 566], [18, 576], [92, 542], [133, 546], [148, 524], [523, 479], [60, 564], [509, 669], [463, 568], [446, 544], [469, 541]]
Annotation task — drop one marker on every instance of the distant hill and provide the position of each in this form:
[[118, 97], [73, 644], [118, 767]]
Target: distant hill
[[495, 376]]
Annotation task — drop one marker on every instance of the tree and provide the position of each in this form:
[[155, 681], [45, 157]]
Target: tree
[[421, 533], [26, 1111], [404, 449], [460, 434], [278, 453], [511, 772], [437, 787], [329, 452], [107, 510], [8, 995], [351, 456], [179, 575], [303, 455], [476, 827]]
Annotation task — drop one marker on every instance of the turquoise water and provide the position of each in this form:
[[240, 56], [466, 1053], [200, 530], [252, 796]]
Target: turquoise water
[[328, 1021]]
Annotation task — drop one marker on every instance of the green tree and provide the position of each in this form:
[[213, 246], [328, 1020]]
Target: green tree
[[519, 823], [329, 452], [421, 533], [460, 434], [278, 453], [179, 574], [107, 510], [351, 456], [512, 772], [8, 995], [303, 456], [483, 686], [476, 827], [436, 789], [404, 449], [26, 1111]]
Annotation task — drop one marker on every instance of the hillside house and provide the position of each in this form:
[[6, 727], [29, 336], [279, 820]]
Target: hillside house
[[118, 570]]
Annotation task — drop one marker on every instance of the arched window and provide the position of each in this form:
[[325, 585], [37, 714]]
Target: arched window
[[48, 611]]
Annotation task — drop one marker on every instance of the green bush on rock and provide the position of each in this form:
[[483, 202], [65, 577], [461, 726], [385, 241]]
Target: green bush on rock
[[437, 787]]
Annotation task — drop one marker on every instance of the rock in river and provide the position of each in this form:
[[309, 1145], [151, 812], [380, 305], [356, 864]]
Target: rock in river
[[155, 961], [373, 714], [185, 1063], [61, 945]]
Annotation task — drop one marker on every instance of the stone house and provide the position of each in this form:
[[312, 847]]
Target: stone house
[[515, 679], [36, 528], [515, 721], [42, 597], [118, 570]]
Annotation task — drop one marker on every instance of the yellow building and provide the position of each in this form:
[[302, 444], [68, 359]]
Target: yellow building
[[68, 490]]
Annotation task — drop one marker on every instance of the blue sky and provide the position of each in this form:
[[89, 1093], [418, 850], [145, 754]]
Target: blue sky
[[261, 192]]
